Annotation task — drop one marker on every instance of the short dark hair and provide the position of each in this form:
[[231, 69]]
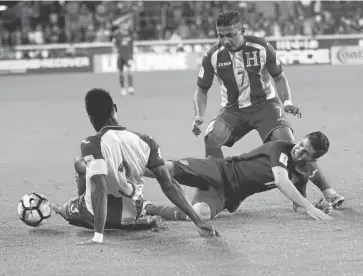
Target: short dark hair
[[99, 105], [319, 142], [227, 18]]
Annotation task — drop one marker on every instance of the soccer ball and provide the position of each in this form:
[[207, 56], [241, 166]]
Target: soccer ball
[[34, 209]]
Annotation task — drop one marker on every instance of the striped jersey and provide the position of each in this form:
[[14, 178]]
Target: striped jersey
[[122, 156], [244, 76]]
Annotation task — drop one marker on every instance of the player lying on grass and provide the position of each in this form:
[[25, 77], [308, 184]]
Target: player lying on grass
[[223, 183], [246, 67], [116, 160]]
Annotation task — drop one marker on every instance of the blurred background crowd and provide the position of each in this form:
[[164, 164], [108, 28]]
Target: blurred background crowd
[[39, 22]]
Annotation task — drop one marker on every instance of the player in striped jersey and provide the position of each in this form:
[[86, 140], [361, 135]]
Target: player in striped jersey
[[225, 183], [116, 160], [243, 66]]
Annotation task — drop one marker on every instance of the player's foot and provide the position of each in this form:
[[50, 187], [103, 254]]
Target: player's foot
[[123, 92], [59, 209], [144, 204], [131, 90], [333, 197], [150, 221]]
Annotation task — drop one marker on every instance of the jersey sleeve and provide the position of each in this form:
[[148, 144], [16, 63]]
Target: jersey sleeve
[[155, 159], [279, 154], [92, 155], [273, 64], [206, 73]]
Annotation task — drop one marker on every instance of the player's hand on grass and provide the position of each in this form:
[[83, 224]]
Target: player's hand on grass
[[207, 231], [197, 126], [317, 214], [294, 110], [325, 206], [89, 242]]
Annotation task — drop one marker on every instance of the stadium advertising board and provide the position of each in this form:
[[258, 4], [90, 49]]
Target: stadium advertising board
[[47, 65], [347, 55], [149, 62], [312, 56]]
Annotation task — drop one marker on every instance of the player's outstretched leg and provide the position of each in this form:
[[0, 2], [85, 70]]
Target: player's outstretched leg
[[70, 211], [174, 213], [318, 179]]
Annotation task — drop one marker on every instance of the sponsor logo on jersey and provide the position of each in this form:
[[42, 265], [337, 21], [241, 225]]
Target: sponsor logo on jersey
[[224, 64]]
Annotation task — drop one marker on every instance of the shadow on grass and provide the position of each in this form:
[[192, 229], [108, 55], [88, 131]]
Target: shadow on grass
[[47, 232]]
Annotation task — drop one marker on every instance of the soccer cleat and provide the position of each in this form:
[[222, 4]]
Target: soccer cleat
[[333, 197], [123, 92], [59, 209], [144, 204], [131, 90], [151, 221]]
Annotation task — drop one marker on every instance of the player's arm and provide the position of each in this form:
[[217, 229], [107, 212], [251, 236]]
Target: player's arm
[[96, 172], [279, 159], [99, 205], [205, 81], [284, 184], [200, 102], [274, 68]]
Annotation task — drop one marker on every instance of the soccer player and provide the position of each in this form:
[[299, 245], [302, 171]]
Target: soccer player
[[223, 183], [116, 160], [243, 66], [123, 41]]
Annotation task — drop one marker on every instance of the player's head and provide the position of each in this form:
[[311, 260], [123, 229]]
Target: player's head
[[230, 30], [100, 108], [310, 147]]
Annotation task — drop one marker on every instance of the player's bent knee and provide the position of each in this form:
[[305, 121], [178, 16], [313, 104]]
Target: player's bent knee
[[203, 210], [216, 135]]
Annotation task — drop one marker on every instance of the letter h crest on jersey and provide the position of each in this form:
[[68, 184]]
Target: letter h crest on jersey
[[251, 59]]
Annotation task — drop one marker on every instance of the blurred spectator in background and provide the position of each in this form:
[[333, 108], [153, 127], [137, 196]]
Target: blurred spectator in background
[[41, 22]]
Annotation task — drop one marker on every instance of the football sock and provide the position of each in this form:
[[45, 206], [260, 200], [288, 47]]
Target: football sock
[[130, 79], [122, 79]]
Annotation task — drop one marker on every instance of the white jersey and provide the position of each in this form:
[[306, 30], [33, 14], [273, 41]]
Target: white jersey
[[122, 156]]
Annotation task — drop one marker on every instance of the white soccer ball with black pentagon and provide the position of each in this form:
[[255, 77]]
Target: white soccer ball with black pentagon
[[34, 209]]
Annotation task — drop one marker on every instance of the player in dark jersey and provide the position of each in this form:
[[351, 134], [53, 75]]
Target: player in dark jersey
[[116, 160], [123, 42], [244, 67], [223, 183]]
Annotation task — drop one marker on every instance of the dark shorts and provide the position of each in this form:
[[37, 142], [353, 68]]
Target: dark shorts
[[264, 117], [203, 174], [77, 213], [122, 62]]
